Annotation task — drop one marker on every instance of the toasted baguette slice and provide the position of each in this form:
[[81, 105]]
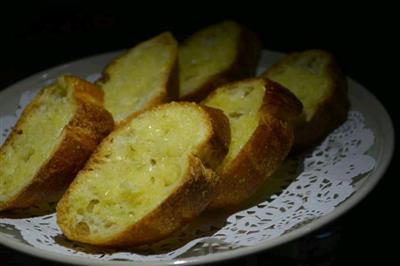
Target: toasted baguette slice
[[318, 82], [147, 178], [259, 113], [216, 55], [142, 77], [53, 138]]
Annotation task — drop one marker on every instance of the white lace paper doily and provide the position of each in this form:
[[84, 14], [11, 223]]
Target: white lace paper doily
[[306, 187]]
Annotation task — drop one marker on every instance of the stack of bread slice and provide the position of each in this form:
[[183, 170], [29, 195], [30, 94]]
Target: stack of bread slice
[[166, 162]]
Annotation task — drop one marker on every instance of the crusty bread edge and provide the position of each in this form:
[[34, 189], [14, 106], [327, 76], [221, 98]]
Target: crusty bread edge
[[244, 66], [187, 201], [74, 148]]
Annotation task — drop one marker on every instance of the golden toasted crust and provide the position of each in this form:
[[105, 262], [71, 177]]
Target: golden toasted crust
[[263, 153], [185, 203], [214, 152], [244, 66], [167, 92], [90, 124], [331, 111]]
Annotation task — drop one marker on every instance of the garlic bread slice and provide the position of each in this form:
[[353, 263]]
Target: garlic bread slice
[[316, 79], [144, 76], [216, 55], [260, 113], [53, 138], [148, 177]]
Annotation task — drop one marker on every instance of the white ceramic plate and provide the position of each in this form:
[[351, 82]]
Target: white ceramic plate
[[376, 119]]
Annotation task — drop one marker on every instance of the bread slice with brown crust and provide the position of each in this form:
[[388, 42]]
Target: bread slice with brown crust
[[53, 138], [317, 80], [144, 76], [260, 113], [215, 55], [147, 178]]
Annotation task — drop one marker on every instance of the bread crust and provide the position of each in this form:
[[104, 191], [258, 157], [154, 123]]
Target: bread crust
[[185, 203], [216, 149], [244, 66], [330, 113], [89, 125], [263, 153], [167, 92]]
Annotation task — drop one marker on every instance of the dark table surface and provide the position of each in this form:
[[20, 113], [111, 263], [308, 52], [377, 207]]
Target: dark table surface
[[36, 38]]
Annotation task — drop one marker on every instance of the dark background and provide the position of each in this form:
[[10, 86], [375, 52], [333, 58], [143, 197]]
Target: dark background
[[363, 39]]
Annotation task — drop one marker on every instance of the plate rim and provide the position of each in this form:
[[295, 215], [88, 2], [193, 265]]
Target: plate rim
[[348, 204]]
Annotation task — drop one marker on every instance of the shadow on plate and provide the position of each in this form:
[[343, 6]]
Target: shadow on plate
[[40, 210]]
